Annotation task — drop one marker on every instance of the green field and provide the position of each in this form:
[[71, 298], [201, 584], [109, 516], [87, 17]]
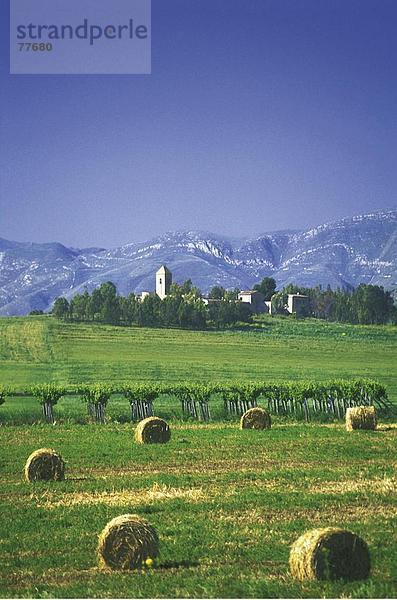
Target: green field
[[227, 503], [41, 349]]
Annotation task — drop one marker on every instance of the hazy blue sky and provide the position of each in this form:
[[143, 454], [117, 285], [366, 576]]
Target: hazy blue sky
[[259, 115]]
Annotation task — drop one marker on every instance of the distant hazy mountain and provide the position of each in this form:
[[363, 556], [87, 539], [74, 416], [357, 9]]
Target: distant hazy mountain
[[357, 250]]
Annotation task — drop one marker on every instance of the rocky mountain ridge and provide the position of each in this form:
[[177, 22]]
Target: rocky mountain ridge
[[361, 249]]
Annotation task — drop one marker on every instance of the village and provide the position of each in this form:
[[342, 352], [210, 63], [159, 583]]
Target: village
[[297, 304]]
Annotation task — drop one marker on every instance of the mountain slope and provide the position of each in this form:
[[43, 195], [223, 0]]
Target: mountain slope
[[345, 253]]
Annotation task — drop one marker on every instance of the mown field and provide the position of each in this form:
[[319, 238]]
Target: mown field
[[227, 504]]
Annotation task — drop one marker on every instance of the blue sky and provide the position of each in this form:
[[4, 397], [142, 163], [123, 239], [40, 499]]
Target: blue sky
[[258, 115]]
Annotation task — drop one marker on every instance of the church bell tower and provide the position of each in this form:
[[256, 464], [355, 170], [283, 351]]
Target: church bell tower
[[163, 282]]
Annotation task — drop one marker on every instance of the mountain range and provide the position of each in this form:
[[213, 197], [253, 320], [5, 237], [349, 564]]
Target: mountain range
[[361, 249]]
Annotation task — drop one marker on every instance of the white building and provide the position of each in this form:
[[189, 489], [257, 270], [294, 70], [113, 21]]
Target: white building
[[298, 304], [255, 299], [163, 282], [268, 304]]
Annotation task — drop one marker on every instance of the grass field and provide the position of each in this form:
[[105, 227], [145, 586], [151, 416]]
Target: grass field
[[227, 504], [40, 349]]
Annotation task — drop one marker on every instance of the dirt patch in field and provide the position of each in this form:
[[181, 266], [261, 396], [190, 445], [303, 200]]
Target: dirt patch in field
[[200, 425], [359, 513], [386, 485], [250, 464], [390, 427], [52, 576], [157, 493]]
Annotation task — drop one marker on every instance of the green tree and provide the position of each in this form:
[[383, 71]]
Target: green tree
[[95, 305], [226, 312], [169, 308], [372, 304], [110, 306], [192, 314], [279, 300], [128, 309], [110, 312], [186, 286], [79, 307], [217, 292], [232, 295], [244, 312], [175, 290], [61, 308], [149, 312], [267, 287]]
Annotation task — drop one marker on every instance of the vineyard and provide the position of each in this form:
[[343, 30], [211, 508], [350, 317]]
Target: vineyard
[[302, 400]]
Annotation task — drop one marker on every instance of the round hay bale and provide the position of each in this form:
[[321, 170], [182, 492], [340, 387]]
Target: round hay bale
[[44, 465], [361, 417], [256, 418], [127, 542], [152, 430], [330, 553]]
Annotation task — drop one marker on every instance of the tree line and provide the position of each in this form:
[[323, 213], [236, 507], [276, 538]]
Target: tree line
[[366, 305], [184, 306]]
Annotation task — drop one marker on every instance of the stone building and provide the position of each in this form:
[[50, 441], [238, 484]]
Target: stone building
[[163, 282], [298, 304], [255, 299]]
